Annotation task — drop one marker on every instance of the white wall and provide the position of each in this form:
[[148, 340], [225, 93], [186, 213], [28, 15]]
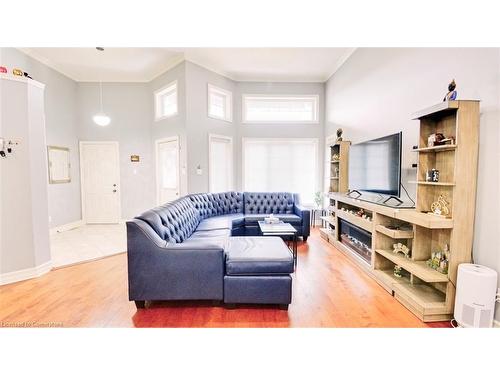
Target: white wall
[[130, 107], [375, 92], [61, 130]]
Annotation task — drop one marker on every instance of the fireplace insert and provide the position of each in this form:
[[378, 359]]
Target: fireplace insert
[[356, 239]]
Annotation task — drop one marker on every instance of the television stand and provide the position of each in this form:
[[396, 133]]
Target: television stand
[[395, 198], [354, 191]]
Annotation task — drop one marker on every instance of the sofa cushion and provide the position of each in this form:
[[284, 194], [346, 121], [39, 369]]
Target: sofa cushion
[[211, 233], [215, 204], [222, 222], [258, 256], [287, 218], [267, 203]]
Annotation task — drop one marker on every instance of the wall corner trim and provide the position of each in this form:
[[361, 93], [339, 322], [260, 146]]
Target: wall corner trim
[[28, 273], [66, 227]]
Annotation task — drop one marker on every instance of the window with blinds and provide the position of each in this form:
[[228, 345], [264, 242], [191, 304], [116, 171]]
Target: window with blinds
[[289, 165]]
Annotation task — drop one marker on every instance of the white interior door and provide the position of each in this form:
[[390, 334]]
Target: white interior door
[[167, 169], [220, 163], [100, 177]]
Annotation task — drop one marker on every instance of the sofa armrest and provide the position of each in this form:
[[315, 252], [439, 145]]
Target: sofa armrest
[[158, 270], [305, 215]]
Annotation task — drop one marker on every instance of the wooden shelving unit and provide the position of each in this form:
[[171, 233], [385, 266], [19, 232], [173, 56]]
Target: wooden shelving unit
[[429, 294], [336, 181]]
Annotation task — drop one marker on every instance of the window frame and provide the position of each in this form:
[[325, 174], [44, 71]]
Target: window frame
[[231, 168], [277, 96], [317, 159], [228, 101], [172, 86]]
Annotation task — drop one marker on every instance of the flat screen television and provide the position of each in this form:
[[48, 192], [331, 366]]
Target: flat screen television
[[375, 166]]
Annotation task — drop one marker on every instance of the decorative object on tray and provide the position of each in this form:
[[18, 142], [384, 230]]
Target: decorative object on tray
[[432, 175], [18, 72], [3, 69], [271, 219], [440, 207], [397, 271], [339, 134], [439, 260], [452, 93], [401, 248], [335, 157]]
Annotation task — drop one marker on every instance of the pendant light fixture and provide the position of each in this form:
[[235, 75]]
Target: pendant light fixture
[[101, 118]]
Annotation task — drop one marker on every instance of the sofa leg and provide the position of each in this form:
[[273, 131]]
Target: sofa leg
[[284, 307], [304, 238], [140, 304]]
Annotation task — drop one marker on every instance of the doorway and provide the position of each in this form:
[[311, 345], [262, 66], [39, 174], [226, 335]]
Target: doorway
[[167, 169], [100, 177]]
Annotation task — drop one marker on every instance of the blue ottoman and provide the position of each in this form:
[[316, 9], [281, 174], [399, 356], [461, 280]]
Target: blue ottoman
[[258, 271]]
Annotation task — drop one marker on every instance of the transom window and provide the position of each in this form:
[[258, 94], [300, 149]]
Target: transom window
[[280, 109], [166, 101], [220, 103]]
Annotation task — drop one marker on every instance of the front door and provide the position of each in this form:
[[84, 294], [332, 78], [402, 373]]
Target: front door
[[167, 169], [100, 177]]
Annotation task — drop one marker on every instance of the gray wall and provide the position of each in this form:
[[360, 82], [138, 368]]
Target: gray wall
[[24, 226], [199, 125], [129, 106], [61, 130], [279, 130], [171, 126], [375, 92]]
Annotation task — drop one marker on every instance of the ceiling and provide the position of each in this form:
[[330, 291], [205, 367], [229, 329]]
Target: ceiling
[[240, 64]]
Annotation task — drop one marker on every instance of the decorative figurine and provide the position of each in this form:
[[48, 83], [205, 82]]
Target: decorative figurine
[[26, 74], [440, 207], [432, 175], [435, 139], [440, 260], [3, 69], [400, 248], [452, 93], [335, 157], [18, 72], [397, 271], [339, 134]]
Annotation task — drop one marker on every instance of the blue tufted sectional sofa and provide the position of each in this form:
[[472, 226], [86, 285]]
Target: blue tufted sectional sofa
[[207, 247]]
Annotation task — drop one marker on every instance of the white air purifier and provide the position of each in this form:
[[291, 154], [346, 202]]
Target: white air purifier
[[476, 294]]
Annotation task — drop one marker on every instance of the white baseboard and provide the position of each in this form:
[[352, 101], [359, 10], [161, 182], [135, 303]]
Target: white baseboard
[[65, 227], [28, 273]]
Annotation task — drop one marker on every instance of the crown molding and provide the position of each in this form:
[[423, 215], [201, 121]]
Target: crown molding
[[341, 62]]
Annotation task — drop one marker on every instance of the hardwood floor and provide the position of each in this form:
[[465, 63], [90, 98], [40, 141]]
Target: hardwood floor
[[328, 291]]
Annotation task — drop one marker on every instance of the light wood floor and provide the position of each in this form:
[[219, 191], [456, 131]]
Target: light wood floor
[[328, 291]]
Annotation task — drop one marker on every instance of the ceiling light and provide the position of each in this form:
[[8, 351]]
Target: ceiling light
[[101, 118]]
